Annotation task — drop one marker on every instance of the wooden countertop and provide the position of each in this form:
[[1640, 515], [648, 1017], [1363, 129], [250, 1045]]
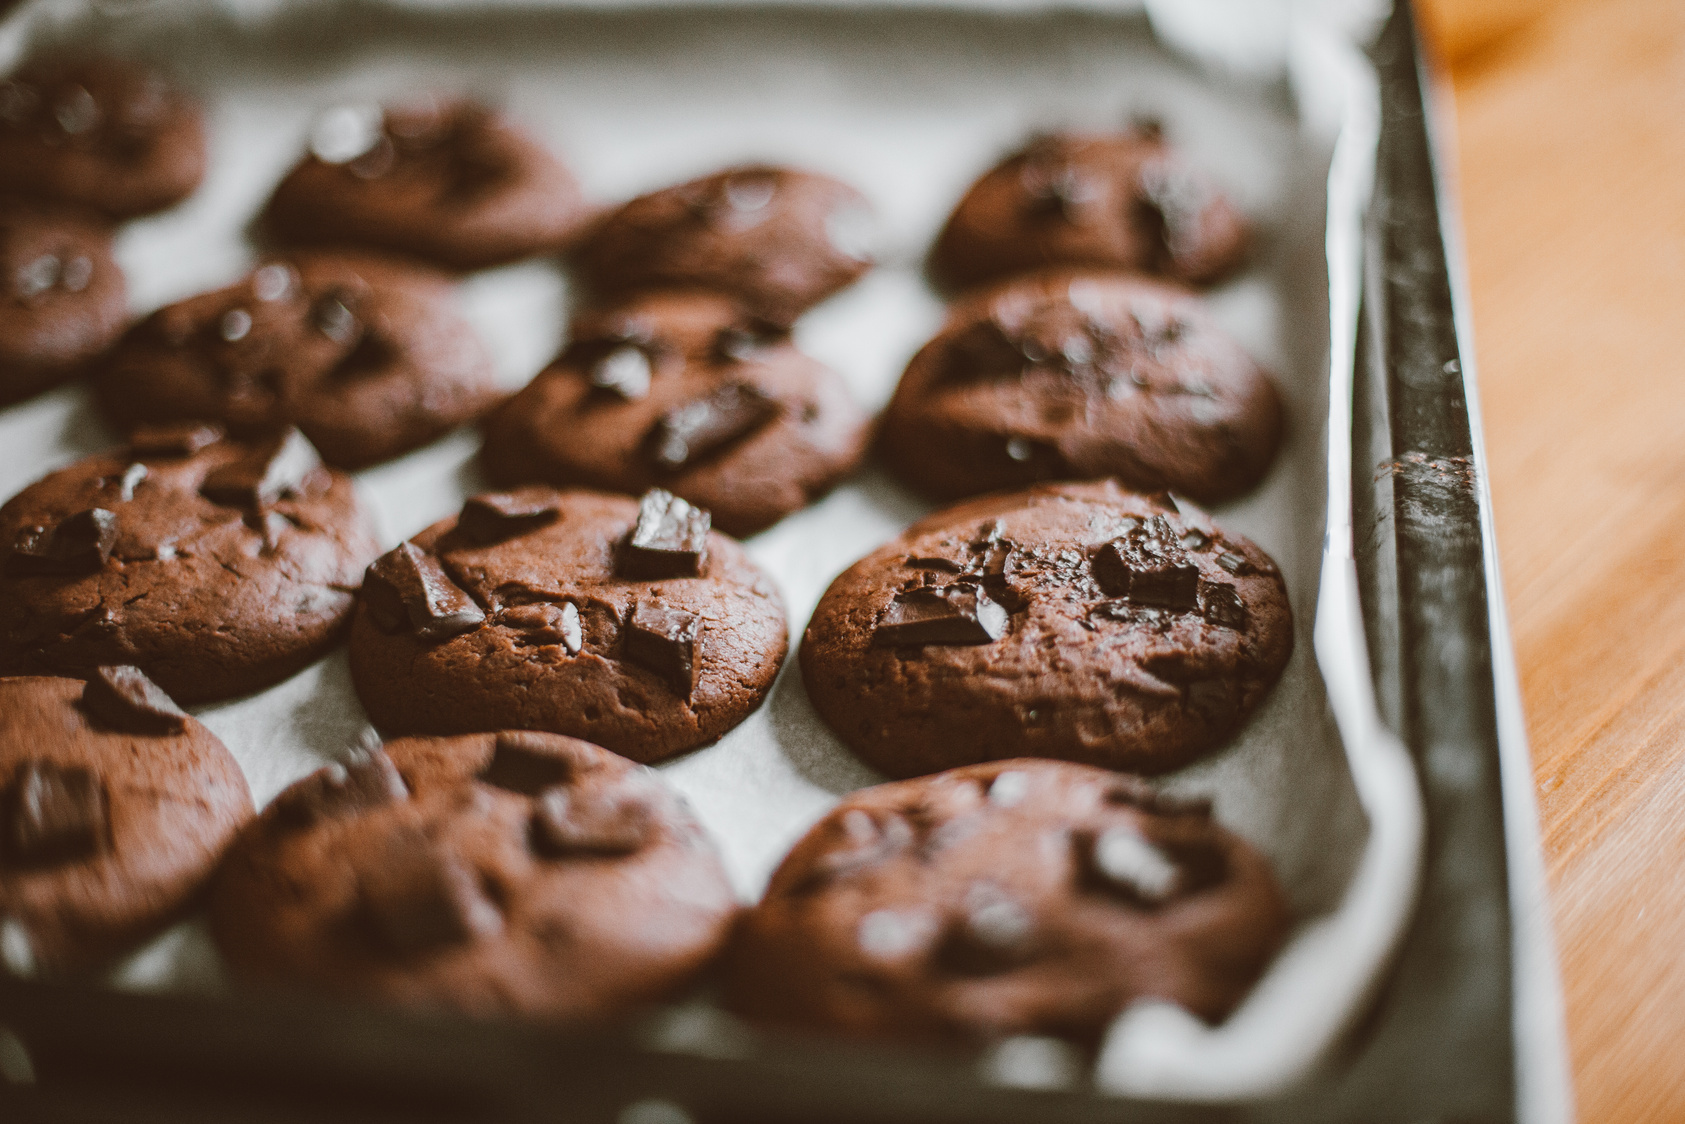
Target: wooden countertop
[[1571, 146]]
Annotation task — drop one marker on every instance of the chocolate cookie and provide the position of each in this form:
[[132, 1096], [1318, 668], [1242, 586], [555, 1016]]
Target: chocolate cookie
[[779, 239], [114, 808], [102, 132], [1019, 897], [684, 391], [513, 873], [1120, 200], [1076, 374], [218, 567], [626, 622], [444, 179], [1076, 621], [62, 297], [368, 357]]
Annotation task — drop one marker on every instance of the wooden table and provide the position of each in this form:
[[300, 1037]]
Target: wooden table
[[1571, 145]]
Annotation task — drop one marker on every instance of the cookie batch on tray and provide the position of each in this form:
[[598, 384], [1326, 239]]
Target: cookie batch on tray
[[1019, 659]]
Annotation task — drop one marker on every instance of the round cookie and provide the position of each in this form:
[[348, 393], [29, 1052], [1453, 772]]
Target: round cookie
[[1018, 897], [218, 567], [626, 622], [106, 133], [62, 297], [370, 358], [1076, 621], [1079, 374], [779, 239], [514, 873], [444, 179], [1119, 200], [682, 390], [115, 806]]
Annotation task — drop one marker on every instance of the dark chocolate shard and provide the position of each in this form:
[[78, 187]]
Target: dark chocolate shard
[[1149, 567], [543, 623], [688, 433], [961, 613], [54, 814], [178, 439], [667, 642], [1234, 563], [496, 516], [421, 897], [522, 764], [77, 544], [406, 587], [365, 779], [121, 697], [670, 539], [272, 469], [626, 371], [577, 823], [1221, 605]]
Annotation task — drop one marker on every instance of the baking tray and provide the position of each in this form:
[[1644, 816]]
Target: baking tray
[[1454, 1033]]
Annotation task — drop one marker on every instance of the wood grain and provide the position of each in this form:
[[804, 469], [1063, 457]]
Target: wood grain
[[1571, 146]]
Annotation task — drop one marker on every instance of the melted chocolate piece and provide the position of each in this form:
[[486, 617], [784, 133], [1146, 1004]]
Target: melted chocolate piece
[[667, 642], [420, 897], [54, 814], [544, 623], [179, 439], [1120, 860], [276, 468], [994, 933], [78, 544], [121, 697], [521, 764], [687, 433], [406, 587], [1235, 564], [627, 371], [365, 779], [565, 823], [496, 516], [961, 613], [1221, 605], [670, 539], [1149, 567]]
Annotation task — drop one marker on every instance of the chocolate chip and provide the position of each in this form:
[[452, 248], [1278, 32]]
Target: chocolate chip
[[958, 614], [667, 642], [278, 467], [332, 316], [522, 764], [1149, 567], [687, 433], [1121, 860], [78, 544], [626, 371], [573, 823], [735, 344], [1221, 605], [54, 814], [895, 934], [421, 897], [180, 439], [993, 933], [547, 624], [123, 698], [496, 516], [406, 587], [670, 539], [365, 779], [1234, 563]]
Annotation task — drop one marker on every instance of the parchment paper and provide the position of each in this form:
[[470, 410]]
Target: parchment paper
[[909, 105]]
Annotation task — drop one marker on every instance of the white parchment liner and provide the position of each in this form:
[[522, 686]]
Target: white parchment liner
[[909, 105]]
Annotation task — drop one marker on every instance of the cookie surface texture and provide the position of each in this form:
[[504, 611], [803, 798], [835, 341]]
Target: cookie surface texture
[[1076, 621]]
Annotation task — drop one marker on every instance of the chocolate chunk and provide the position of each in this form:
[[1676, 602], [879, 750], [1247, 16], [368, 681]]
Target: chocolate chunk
[[365, 779], [1061, 192], [670, 539], [547, 624], [276, 468], [1122, 861], [1221, 605], [734, 344], [123, 698], [959, 614], [687, 433], [496, 516], [569, 823], [626, 371], [407, 587], [1234, 563], [993, 933], [54, 814], [181, 439], [421, 897], [523, 765], [332, 316], [667, 642], [1149, 567], [78, 544]]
